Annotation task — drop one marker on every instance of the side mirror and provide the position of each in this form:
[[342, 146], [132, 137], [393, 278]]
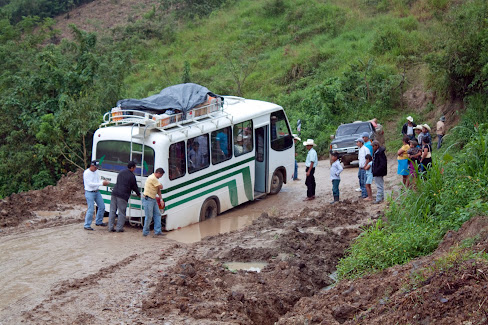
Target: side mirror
[[332, 137]]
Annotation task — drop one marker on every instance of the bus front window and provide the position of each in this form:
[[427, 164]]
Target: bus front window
[[281, 138], [114, 156]]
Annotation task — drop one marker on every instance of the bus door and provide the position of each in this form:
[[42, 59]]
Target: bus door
[[261, 163]]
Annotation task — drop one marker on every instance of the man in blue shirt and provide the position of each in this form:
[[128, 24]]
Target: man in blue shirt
[[310, 164], [367, 142]]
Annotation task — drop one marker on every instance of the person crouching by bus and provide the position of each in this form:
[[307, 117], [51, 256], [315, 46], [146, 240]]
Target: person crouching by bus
[[310, 164], [335, 175], [126, 183], [92, 181], [152, 188]]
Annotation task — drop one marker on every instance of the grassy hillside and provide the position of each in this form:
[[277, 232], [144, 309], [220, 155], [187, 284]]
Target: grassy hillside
[[325, 62]]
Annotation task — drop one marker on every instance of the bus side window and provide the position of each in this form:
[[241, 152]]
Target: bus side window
[[176, 160], [281, 138], [221, 145], [243, 142], [198, 155]]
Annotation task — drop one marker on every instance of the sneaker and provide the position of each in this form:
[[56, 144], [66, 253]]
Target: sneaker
[[89, 228], [111, 230], [121, 230], [296, 179], [159, 235], [377, 202], [103, 224], [358, 189]]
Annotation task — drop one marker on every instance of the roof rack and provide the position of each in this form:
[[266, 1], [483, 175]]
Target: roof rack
[[163, 121], [168, 123]]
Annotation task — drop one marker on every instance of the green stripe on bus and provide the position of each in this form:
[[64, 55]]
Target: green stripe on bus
[[129, 206], [197, 179], [232, 185], [246, 175]]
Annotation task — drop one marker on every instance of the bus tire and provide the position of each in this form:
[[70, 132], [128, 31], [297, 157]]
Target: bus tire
[[276, 182], [209, 210]]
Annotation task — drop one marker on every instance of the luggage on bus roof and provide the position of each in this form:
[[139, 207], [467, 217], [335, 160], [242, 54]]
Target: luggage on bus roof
[[182, 97]]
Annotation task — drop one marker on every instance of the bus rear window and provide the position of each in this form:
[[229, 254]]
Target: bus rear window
[[114, 156]]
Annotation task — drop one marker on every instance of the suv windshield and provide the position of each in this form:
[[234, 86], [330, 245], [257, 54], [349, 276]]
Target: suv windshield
[[353, 128]]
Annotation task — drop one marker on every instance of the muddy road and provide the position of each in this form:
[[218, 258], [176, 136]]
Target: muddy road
[[55, 272]]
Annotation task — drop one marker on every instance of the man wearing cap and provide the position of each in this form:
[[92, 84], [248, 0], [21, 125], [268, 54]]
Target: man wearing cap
[[418, 133], [296, 139], [363, 151], [310, 164], [407, 128], [440, 130], [126, 183], [367, 143], [152, 188], [91, 182]]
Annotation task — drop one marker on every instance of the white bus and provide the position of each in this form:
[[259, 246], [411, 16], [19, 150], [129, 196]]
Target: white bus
[[222, 155]]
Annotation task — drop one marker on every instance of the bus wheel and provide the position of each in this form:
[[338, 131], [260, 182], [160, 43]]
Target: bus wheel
[[209, 210], [276, 182]]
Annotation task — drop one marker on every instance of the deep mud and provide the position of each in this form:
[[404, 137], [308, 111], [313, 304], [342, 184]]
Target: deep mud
[[59, 274]]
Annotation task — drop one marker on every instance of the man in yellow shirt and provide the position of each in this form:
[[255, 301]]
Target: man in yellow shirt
[[152, 188]]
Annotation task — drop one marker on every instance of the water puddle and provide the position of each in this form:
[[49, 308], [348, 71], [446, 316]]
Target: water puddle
[[245, 266], [227, 222]]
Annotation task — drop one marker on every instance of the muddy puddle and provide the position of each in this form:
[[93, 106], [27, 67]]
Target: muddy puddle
[[245, 266]]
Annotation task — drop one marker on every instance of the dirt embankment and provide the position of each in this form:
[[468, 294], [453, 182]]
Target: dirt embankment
[[21, 207]]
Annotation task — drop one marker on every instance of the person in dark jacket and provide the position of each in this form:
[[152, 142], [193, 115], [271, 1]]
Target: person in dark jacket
[[379, 170], [126, 183], [408, 128]]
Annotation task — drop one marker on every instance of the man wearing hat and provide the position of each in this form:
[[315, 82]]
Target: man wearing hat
[[426, 132], [92, 181], [407, 128], [440, 130], [296, 139], [363, 151], [310, 164]]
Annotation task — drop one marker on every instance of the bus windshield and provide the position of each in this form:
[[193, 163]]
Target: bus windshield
[[114, 156]]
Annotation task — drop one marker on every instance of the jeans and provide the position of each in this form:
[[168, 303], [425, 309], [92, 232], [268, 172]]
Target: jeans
[[380, 188], [116, 203], [362, 182], [439, 140], [295, 174], [335, 187], [91, 199], [310, 182], [151, 210]]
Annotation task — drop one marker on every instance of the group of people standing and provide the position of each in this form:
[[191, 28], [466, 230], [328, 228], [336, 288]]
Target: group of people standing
[[415, 154], [372, 166], [121, 192]]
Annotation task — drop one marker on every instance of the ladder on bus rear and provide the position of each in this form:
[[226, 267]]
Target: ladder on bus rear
[[140, 134]]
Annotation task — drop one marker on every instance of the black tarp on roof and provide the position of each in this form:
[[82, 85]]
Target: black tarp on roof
[[181, 97]]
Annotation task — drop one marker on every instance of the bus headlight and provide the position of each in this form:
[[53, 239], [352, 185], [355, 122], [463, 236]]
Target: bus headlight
[[334, 146]]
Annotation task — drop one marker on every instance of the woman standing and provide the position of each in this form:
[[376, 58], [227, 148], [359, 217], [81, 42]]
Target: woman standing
[[403, 160], [426, 157]]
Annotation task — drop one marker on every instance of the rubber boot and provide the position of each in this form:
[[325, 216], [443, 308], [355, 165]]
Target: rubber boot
[[336, 200]]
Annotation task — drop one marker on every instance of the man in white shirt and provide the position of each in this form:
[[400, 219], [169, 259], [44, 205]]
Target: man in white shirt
[[92, 181], [310, 164], [363, 151]]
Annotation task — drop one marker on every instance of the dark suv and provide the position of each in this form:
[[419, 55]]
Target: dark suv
[[344, 141]]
